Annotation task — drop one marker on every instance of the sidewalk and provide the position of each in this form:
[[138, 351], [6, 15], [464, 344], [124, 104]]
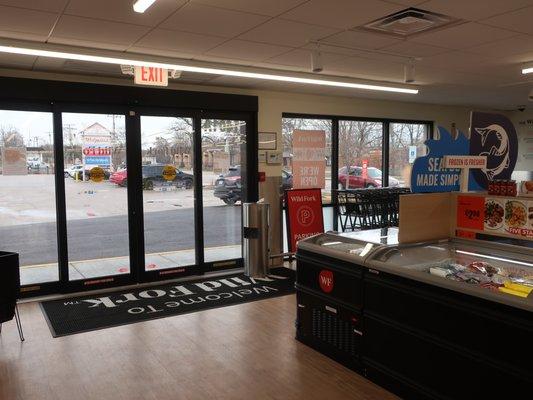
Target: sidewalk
[[34, 274]]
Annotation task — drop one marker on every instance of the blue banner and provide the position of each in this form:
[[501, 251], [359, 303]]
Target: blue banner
[[98, 160]]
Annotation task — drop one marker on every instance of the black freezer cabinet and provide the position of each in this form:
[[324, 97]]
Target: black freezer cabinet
[[329, 327]]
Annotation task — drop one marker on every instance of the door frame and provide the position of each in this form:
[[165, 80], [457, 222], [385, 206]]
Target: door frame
[[132, 101]]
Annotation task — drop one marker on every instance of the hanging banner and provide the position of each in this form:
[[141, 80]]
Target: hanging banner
[[491, 135], [303, 215], [309, 159], [494, 136]]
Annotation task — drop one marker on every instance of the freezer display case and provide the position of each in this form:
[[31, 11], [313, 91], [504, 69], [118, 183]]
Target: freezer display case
[[496, 272], [449, 319], [329, 283]]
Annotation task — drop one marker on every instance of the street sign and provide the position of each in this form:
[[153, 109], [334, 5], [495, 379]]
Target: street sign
[[151, 76], [412, 154]]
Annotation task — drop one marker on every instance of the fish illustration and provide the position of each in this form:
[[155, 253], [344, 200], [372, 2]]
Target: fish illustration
[[502, 150]]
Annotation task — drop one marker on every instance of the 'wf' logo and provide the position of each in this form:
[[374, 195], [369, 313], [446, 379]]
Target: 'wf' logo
[[325, 280]]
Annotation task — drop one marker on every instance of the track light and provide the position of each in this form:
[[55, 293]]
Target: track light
[[141, 6], [409, 72], [202, 70], [316, 61]]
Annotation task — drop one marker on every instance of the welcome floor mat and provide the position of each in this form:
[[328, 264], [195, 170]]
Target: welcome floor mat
[[82, 314]]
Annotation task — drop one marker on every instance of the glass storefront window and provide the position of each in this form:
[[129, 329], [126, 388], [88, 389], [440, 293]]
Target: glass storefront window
[[405, 144], [168, 195], [223, 143], [27, 193], [360, 154], [94, 149]]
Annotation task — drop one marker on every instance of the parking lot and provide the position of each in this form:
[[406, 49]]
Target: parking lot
[[30, 199]]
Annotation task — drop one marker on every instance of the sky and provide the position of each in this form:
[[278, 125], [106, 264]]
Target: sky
[[37, 127]]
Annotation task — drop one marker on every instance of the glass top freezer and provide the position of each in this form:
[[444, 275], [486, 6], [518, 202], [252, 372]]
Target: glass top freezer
[[350, 246], [497, 272]]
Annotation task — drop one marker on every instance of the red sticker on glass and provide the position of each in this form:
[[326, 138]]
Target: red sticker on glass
[[325, 280]]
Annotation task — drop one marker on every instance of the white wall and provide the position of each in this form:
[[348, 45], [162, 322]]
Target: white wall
[[523, 122]]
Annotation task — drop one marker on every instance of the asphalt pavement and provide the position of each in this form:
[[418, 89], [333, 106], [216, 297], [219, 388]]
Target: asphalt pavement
[[108, 236]]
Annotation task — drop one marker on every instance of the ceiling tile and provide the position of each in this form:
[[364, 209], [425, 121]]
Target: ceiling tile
[[412, 49], [364, 68], [505, 48], [244, 50], [407, 2], [459, 61], [88, 43], [179, 41], [198, 18], [26, 21], [473, 10], [89, 30], [24, 36], [463, 36], [362, 40], [160, 52], [48, 5], [221, 60], [302, 59], [289, 33], [271, 7], [518, 21], [341, 13], [122, 10]]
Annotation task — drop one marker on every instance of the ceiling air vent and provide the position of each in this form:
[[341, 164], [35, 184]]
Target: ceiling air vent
[[411, 21]]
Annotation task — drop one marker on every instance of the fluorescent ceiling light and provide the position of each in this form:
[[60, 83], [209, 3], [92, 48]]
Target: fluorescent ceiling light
[[141, 6], [528, 70], [201, 70]]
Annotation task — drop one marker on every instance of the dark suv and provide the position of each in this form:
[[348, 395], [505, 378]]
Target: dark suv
[[228, 186], [153, 176]]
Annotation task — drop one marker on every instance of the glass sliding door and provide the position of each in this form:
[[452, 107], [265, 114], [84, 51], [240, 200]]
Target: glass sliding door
[[406, 143], [223, 143], [168, 193], [27, 194], [360, 154], [94, 150]]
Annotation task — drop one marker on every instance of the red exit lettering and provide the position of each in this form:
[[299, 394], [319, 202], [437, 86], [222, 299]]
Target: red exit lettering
[[151, 76]]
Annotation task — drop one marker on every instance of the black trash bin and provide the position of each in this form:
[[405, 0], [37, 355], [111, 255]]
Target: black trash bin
[[9, 288]]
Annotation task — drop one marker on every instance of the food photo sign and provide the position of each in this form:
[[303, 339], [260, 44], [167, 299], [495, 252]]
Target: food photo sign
[[496, 215]]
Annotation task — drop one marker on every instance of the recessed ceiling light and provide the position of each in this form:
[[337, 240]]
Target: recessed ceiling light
[[528, 70], [141, 6], [202, 70]]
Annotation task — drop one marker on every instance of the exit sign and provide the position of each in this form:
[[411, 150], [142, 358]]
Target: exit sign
[[151, 76]]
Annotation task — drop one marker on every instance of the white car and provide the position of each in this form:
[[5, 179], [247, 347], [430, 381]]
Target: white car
[[71, 171]]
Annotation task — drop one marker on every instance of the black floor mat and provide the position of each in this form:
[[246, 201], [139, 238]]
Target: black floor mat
[[81, 314]]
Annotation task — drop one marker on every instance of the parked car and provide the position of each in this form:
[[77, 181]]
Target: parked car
[[228, 186], [120, 177], [353, 178], [152, 174], [71, 171]]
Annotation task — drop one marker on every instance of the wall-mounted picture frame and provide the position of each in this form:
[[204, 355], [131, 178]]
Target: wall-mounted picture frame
[[268, 141]]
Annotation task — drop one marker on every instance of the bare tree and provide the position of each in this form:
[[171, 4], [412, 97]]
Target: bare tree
[[11, 137]]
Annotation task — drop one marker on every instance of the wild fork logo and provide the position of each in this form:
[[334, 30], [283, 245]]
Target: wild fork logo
[[188, 293]]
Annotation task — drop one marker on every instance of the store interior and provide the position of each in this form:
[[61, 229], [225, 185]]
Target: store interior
[[319, 199]]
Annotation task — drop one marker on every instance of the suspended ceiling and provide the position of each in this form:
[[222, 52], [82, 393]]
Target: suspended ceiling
[[476, 62]]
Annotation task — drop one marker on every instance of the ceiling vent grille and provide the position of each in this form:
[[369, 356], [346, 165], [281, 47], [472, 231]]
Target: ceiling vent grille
[[411, 21]]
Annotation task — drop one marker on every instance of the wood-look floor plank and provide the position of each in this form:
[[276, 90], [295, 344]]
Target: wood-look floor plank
[[237, 352]]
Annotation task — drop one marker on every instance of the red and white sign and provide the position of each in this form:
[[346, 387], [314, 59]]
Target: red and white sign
[[151, 76], [326, 281], [309, 161], [463, 162], [365, 169], [304, 214]]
